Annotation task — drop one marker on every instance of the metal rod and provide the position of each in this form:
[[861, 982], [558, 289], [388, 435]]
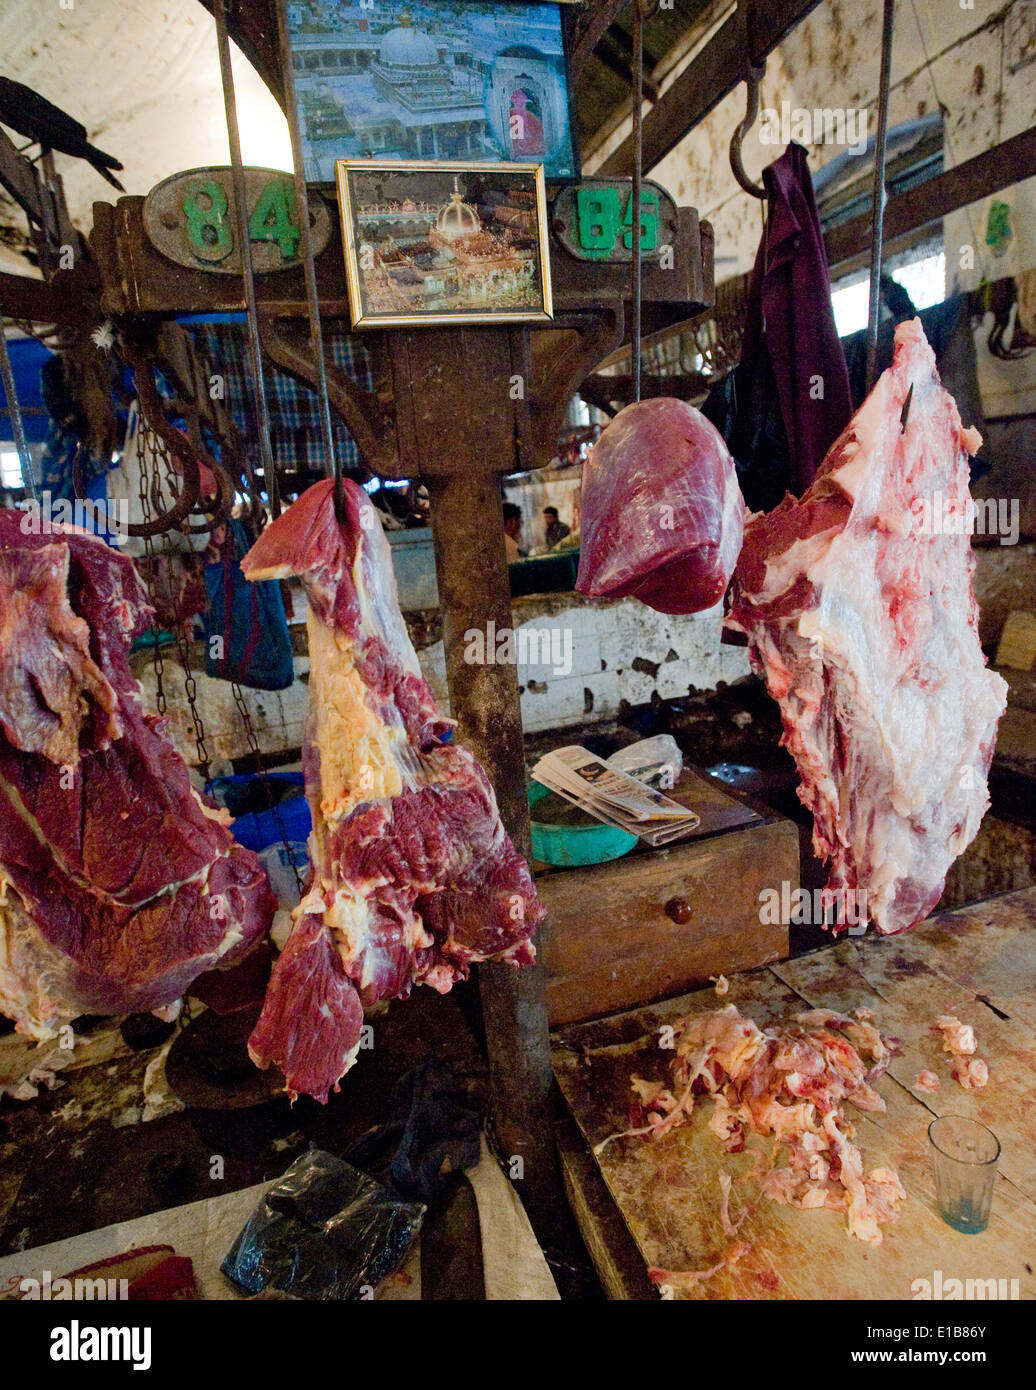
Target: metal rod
[[638, 174], [316, 336], [14, 410], [255, 351], [878, 196]]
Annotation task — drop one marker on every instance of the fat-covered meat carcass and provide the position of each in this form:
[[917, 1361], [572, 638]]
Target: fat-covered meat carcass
[[413, 877], [119, 883], [859, 610]]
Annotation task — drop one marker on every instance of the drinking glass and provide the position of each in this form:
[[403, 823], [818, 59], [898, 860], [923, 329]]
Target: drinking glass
[[964, 1155]]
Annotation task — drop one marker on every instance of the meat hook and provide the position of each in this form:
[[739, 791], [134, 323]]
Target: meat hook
[[752, 81]]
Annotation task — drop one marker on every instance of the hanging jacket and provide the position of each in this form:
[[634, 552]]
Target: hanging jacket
[[790, 349]]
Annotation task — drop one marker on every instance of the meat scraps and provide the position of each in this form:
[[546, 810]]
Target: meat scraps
[[119, 884], [412, 874], [788, 1083], [958, 1039], [662, 517], [859, 610]]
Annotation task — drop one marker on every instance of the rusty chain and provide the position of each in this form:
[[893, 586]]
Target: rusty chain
[[160, 451], [149, 575]]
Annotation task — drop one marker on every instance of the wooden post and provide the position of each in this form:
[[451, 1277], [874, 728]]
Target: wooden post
[[463, 391]]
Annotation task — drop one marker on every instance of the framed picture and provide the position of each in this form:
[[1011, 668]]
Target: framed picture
[[444, 243], [430, 80]]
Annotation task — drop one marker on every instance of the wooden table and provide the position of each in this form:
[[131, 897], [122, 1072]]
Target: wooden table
[[611, 940], [659, 1201]]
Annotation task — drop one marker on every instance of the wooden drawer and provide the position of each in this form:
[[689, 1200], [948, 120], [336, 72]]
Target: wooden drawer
[[613, 941]]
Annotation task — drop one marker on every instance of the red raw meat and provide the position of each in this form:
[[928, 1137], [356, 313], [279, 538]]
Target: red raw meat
[[119, 884], [413, 875], [662, 514], [863, 621]]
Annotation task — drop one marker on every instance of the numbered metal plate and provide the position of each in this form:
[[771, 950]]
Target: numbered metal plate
[[191, 219], [593, 220]]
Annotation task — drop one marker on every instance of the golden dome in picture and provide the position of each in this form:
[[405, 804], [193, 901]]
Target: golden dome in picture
[[458, 218]]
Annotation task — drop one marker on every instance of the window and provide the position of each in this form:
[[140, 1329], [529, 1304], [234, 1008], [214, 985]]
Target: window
[[10, 469], [924, 281]]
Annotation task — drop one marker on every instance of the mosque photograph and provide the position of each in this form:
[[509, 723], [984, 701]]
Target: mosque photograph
[[443, 242], [475, 80]]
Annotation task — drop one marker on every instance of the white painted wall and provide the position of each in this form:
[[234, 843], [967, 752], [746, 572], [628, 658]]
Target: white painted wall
[[143, 77]]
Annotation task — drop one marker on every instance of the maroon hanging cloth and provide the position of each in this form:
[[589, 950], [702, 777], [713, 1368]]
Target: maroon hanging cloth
[[790, 317]]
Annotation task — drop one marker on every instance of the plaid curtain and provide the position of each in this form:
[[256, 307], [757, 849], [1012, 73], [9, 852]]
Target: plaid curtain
[[295, 433]]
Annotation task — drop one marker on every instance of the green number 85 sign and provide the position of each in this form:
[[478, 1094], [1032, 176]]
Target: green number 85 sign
[[594, 219], [601, 220]]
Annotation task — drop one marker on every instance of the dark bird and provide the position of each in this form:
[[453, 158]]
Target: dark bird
[[45, 124]]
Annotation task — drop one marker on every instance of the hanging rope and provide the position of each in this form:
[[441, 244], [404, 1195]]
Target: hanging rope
[[316, 337], [255, 350], [638, 173], [878, 196]]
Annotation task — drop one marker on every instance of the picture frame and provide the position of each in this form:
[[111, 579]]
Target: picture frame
[[410, 80], [433, 243]]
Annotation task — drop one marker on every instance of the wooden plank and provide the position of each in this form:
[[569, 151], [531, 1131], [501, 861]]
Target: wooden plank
[[592, 25], [751, 32], [907, 990], [668, 1190], [987, 173], [988, 948], [619, 1264]]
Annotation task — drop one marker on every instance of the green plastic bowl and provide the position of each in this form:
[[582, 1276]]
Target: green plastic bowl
[[569, 845]]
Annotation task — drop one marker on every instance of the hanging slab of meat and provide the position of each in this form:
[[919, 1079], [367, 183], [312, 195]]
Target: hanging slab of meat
[[859, 610], [119, 884], [662, 514], [413, 876]]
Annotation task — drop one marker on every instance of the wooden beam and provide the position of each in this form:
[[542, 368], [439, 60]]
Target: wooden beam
[[977, 178], [752, 32], [69, 298], [617, 59], [598, 18], [252, 24], [19, 178]]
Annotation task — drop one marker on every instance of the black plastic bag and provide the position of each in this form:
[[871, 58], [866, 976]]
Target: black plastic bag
[[324, 1231]]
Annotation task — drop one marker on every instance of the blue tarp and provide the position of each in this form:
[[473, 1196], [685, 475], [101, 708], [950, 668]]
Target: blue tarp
[[27, 359]]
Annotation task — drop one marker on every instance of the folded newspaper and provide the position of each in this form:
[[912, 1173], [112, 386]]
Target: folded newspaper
[[613, 797]]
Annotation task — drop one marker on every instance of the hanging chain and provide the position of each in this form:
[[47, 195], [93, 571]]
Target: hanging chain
[[156, 447], [149, 567]]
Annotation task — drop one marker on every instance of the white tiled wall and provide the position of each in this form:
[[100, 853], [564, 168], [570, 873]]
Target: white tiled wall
[[606, 637]]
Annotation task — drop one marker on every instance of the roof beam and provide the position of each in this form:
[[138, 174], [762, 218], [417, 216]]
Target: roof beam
[[976, 178], [591, 28], [751, 33]]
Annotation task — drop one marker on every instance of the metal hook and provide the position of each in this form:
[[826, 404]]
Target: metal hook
[[752, 81]]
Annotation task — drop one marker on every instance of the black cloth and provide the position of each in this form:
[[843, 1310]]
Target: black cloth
[[788, 399], [432, 1129], [947, 326]]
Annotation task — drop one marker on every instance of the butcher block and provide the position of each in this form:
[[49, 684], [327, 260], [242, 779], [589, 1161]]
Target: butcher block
[[645, 1202], [660, 922]]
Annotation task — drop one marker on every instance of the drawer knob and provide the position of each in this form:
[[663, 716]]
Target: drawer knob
[[679, 910]]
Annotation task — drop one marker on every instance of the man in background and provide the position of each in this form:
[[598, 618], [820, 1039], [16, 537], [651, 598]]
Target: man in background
[[513, 532], [556, 528]]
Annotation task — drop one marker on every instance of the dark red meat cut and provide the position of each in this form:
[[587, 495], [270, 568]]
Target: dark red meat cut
[[860, 614], [662, 516], [119, 883], [413, 876]]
